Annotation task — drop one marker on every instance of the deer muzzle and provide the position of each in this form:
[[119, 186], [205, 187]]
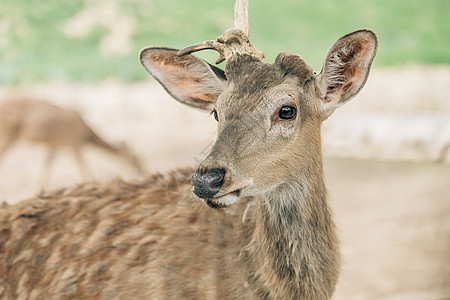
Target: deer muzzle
[[207, 183]]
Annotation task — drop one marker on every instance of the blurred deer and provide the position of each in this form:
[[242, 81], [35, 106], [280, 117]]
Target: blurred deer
[[56, 127], [272, 236]]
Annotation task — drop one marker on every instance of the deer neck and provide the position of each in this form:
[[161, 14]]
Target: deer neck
[[295, 243]]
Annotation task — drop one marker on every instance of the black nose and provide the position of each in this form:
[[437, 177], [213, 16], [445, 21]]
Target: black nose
[[207, 183]]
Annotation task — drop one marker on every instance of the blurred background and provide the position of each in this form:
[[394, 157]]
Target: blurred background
[[386, 152]]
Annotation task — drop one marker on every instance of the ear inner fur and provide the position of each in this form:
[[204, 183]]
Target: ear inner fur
[[346, 68], [187, 78]]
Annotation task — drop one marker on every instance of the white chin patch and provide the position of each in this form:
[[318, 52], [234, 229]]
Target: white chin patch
[[222, 202]]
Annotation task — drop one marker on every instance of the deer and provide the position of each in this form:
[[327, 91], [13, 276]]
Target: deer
[[56, 127], [252, 221]]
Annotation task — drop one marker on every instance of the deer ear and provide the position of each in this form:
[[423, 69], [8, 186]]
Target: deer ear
[[186, 78], [346, 68]]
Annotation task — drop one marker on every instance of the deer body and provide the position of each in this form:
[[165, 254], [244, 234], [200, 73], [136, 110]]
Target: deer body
[[55, 127], [128, 241], [271, 235]]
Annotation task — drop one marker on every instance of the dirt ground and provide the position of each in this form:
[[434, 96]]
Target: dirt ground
[[394, 220], [393, 217]]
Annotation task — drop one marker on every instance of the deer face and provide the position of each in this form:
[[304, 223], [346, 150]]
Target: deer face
[[269, 115], [260, 116]]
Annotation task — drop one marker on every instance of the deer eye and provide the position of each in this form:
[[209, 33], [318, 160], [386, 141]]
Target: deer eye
[[214, 112], [287, 112]]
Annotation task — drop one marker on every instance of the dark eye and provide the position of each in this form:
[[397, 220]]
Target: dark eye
[[287, 112], [214, 112]]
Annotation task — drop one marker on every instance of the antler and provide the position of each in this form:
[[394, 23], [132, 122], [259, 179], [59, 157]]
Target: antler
[[231, 42]]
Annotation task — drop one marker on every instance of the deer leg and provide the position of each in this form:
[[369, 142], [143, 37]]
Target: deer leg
[[45, 175], [86, 173], [5, 145]]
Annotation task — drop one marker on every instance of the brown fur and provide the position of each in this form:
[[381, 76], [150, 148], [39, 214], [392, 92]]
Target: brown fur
[[137, 240]]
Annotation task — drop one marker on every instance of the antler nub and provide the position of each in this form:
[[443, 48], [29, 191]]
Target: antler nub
[[214, 45], [231, 42]]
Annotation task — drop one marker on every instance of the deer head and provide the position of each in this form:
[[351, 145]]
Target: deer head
[[269, 115]]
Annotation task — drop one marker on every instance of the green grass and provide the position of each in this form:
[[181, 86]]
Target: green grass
[[34, 45]]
